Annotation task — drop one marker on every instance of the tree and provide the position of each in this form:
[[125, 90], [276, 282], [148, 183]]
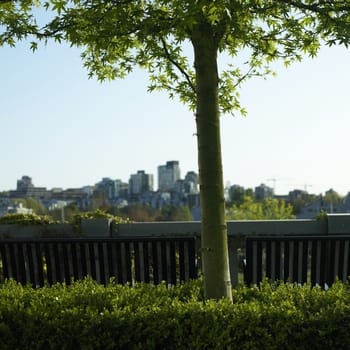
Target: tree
[[139, 213], [32, 203], [333, 197], [69, 212], [267, 209], [236, 195], [117, 35], [174, 213]]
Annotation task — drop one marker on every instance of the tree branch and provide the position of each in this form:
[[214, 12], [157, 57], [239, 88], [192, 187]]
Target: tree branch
[[177, 65]]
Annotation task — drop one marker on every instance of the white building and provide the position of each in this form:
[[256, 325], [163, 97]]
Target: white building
[[18, 208]]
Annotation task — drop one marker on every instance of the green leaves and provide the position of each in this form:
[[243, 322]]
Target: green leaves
[[85, 315], [268, 209], [119, 35], [58, 6], [14, 22], [26, 219]]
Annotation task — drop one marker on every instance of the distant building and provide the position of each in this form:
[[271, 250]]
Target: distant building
[[140, 183], [18, 208], [263, 191], [54, 204], [25, 189], [297, 194], [330, 203], [160, 199], [24, 184], [191, 182], [4, 204], [193, 200], [168, 175], [347, 203], [123, 190], [236, 194], [111, 189], [79, 196]]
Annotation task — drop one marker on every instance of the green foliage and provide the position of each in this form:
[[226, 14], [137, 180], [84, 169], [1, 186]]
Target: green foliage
[[32, 203], [145, 213], [90, 316], [138, 212], [333, 197], [117, 36], [69, 211], [268, 209], [98, 214], [26, 219], [174, 213], [321, 216]]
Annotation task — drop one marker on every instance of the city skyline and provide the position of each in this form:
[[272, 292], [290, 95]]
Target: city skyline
[[157, 188], [63, 129]]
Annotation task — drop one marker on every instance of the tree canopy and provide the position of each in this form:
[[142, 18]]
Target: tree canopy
[[267, 209], [156, 35], [118, 35]]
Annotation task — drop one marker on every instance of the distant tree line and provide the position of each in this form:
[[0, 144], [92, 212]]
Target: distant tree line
[[242, 206]]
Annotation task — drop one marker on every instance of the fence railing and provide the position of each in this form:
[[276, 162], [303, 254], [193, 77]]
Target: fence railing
[[316, 260], [126, 260], [238, 231]]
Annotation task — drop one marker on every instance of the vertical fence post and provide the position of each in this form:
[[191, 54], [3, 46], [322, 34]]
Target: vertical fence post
[[233, 245]]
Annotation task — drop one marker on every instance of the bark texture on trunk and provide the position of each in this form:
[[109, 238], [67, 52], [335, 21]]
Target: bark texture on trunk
[[214, 231]]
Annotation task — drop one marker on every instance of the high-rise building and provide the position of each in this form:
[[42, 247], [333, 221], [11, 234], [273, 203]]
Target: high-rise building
[[24, 183], [236, 194], [168, 174], [263, 191], [25, 189], [192, 181], [111, 188], [140, 183]]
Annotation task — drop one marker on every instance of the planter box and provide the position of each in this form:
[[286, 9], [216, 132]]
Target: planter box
[[98, 227], [36, 231]]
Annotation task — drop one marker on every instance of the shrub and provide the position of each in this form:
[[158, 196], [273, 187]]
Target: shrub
[[26, 219], [85, 315], [98, 214]]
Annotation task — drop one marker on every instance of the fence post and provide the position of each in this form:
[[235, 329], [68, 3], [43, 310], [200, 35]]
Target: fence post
[[235, 245]]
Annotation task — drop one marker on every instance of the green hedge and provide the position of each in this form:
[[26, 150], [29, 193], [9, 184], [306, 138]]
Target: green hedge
[[89, 316]]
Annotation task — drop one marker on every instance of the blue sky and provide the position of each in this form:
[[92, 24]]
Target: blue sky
[[65, 130]]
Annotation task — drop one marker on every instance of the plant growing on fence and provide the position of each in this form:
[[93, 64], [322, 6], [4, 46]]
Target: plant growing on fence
[[27, 219], [97, 214]]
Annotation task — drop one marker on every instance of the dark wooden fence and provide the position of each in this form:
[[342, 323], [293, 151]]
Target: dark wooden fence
[[317, 260], [43, 258], [50, 260]]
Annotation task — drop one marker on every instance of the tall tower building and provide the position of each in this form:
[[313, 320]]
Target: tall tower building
[[263, 191], [168, 174], [140, 183]]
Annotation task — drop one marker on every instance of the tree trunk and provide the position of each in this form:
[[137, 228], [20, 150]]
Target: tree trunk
[[215, 262]]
